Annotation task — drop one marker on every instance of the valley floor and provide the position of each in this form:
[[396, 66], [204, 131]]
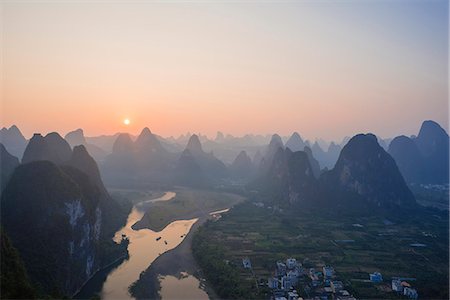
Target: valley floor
[[407, 246]]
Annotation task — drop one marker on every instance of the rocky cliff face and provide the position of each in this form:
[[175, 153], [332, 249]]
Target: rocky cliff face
[[53, 218], [365, 169]]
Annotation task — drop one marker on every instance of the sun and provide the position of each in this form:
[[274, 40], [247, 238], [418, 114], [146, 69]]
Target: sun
[[126, 121]]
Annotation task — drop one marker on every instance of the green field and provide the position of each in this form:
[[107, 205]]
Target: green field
[[382, 245], [187, 204]]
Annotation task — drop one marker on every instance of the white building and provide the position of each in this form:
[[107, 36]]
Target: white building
[[272, 283], [397, 286], [293, 295], [246, 262]]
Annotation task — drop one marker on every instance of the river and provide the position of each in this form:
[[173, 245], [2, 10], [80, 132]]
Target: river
[[143, 249]]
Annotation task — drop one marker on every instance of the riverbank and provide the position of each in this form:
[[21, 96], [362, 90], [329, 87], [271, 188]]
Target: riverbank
[[187, 204]]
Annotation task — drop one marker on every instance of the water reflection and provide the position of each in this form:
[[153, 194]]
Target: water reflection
[[143, 249], [184, 287]]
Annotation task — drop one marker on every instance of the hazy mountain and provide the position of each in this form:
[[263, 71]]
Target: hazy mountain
[[193, 156], [148, 143], [425, 158], [188, 171], [76, 137], [8, 163], [290, 179], [145, 158], [59, 146], [365, 169], [315, 166], [433, 143], [295, 142], [269, 152], [194, 146], [13, 140], [332, 154], [104, 142], [257, 158], [408, 158], [242, 166]]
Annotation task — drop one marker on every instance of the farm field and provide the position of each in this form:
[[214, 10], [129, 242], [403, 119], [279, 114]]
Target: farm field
[[354, 246]]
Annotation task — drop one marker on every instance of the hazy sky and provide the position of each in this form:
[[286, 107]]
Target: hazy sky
[[324, 69]]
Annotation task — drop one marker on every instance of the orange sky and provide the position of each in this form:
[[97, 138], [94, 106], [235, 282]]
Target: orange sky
[[323, 69]]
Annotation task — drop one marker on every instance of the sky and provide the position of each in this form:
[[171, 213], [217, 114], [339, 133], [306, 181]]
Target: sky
[[324, 69]]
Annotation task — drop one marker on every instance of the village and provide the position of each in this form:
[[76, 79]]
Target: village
[[290, 280]]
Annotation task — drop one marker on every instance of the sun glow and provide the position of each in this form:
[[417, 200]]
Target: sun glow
[[126, 121]]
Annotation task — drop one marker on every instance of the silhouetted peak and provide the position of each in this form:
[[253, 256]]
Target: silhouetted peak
[[15, 130], [59, 146], [80, 151], [194, 145], [430, 127], [219, 137], [52, 147], [361, 143], [76, 137], [123, 144], [276, 141], [295, 142], [83, 161], [365, 168], [145, 132], [148, 142]]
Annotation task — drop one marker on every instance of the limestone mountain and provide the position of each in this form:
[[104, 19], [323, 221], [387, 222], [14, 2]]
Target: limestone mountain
[[188, 171], [76, 137], [242, 166], [425, 158], [209, 165], [408, 158], [145, 158], [53, 215], [295, 142], [269, 152], [365, 170], [315, 166], [52, 147], [290, 179], [13, 140], [433, 143]]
